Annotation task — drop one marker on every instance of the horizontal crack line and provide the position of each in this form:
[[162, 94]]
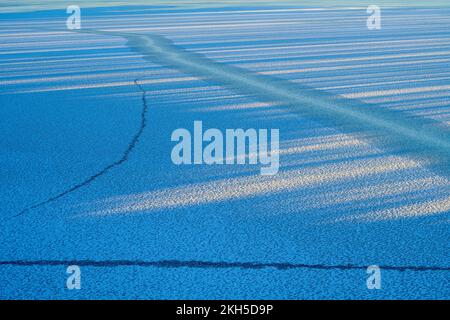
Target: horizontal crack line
[[210, 265]]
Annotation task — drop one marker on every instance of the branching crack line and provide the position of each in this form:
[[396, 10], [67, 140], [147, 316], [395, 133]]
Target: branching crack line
[[210, 265], [132, 144]]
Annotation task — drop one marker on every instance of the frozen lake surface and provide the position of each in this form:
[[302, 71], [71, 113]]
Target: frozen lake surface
[[86, 176]]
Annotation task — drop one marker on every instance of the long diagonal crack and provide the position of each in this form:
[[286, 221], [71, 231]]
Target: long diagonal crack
[[131, 145]]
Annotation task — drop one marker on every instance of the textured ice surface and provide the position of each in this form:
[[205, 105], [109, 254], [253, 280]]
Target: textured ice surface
[[349, 193]]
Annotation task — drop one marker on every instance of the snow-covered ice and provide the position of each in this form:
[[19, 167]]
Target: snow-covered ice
[[86, 175]]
